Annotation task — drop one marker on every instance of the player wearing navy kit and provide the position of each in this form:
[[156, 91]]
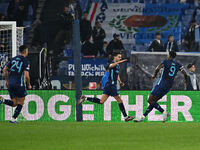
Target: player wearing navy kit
[[170, 69], [14, 73], [110, 88]]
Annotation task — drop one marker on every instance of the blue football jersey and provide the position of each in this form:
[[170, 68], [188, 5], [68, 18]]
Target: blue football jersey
[[104, 80], [113, 74], [169, 72], [17, 65]]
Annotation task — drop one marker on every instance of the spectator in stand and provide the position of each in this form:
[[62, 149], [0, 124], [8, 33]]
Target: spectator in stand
[[12, 8], [115, 44], [16, 12], [193, 36], [89, 48], [157, 44], [85, 28], [64, 35], [196, 13], [75, 8], [192, 80], [171, 44], [2, 17], [33, 4], [99, 35], [20, 15], [105, 45]]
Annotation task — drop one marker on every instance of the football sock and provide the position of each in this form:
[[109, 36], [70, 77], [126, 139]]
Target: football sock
[[94, 100], [8, 102], [149, 109], [17, 111], [158, 107], [121, 107]]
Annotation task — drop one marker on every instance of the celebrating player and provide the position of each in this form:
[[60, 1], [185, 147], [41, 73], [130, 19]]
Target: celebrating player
[[165, 83], [110, 88], [14, 73]]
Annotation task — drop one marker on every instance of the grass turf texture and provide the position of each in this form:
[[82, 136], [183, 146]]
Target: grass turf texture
[[99, 136]]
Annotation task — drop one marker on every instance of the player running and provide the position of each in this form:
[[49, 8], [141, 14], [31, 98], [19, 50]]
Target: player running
[[164, 85], [14, 73], [110, 88]]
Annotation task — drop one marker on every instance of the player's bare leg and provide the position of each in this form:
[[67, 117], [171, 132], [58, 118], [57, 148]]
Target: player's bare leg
[[20, 103], [104, 98], [158, 107], [83, 98], [152, 100], [12, 102], [121, 106]]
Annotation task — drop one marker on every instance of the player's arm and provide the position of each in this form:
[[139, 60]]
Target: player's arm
[[27, 77], [185, 76], [115, 64], [5, 75], [120, 82], [5, 72], [157, 70]]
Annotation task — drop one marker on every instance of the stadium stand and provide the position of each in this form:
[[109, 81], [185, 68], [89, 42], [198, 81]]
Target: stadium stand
[[42, 27]]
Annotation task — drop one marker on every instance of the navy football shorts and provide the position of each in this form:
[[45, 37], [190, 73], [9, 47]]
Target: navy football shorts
[[110, 90], [16, 91], [159, 91]]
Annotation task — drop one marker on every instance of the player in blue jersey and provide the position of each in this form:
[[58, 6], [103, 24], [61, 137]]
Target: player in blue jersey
[[14, 73], [105, 78], [170, 69], [110, 88]]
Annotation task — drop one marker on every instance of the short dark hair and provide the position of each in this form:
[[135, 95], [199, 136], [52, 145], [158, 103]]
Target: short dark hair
[[189, 66], [193, 21], [172, 54], [115, 35], [22, 48], [170, 36], [116, 52], [105, 42], [97, 22], [85, 12], [158, 33]]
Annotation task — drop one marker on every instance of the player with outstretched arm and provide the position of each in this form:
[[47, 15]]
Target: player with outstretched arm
[[110, 88]]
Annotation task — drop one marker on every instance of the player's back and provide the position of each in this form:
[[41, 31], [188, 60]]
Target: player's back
[[17, 65], [169, 72]]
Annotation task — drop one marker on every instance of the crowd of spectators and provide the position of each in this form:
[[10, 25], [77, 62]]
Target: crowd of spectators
[[18, 11], [158, 46], [93, 38], [64, 35]]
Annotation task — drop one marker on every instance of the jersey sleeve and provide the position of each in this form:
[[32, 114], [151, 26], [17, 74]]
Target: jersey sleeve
[[180, 67], [26, 65], [163, 62]]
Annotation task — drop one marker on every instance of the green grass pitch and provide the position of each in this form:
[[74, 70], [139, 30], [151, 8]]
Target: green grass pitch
[[99, 136]]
